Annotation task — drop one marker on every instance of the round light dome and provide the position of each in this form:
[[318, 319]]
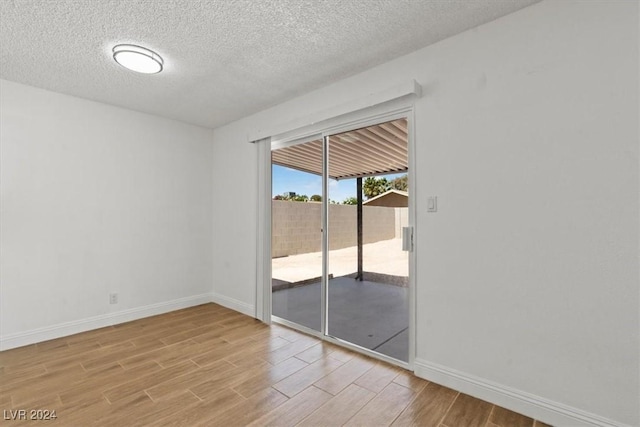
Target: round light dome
[[137, 58]]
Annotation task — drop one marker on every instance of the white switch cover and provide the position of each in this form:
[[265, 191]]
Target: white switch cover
[[432, 204]]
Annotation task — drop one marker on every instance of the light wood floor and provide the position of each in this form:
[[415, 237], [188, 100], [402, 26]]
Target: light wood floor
[[208, 365]]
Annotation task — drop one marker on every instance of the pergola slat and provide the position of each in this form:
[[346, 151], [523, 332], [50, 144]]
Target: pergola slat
[[375, 150]]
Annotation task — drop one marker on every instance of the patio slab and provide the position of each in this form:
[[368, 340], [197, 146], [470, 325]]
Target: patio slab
[[372, 315], [385, 257]]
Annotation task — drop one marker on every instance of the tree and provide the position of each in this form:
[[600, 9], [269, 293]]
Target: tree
[[372, 187], [399, 183], [316, 198], [350, 201], [292, 197]]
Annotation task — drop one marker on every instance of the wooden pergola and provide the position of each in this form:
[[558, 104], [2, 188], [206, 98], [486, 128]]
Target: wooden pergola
[[375, 150]]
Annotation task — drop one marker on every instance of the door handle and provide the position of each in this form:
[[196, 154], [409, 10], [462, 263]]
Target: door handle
[[407, 239]]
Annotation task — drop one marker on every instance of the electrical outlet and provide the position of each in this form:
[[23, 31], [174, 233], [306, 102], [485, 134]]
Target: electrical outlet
[[113, 298]]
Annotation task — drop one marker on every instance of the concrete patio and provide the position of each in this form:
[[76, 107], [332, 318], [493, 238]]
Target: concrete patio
[[385, 257], [371, 314]]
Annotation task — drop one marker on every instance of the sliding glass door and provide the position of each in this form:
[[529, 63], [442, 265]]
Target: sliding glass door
[[339, 209]]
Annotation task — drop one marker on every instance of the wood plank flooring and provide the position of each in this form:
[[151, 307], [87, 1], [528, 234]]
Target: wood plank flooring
[[208, 365]]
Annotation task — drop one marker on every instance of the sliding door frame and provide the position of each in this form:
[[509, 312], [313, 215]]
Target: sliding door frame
[[332, 127]]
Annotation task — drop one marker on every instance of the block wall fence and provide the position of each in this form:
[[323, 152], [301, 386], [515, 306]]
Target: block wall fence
[[296, 226]]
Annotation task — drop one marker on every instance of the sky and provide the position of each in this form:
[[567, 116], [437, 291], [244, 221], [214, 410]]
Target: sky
[[285, 179]]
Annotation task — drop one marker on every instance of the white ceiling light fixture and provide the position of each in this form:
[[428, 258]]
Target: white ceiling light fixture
[[138, 58]]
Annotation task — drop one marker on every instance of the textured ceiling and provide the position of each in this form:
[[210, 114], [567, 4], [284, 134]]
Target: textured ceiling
[[224, 59]]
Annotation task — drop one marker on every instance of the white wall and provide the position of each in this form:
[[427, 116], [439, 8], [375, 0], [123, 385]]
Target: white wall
[[97, 199], [527, 277]]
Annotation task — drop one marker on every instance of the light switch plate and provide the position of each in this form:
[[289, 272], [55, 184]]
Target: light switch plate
[[432, 204]]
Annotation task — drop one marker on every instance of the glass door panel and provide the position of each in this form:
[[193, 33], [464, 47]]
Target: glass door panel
[[368, 272], [296, 236]]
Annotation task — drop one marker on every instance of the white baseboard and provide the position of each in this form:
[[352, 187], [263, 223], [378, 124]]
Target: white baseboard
[[69, 328], [536, 407], [234, 304]]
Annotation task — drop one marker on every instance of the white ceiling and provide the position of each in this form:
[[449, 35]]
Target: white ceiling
[[224, 59]]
